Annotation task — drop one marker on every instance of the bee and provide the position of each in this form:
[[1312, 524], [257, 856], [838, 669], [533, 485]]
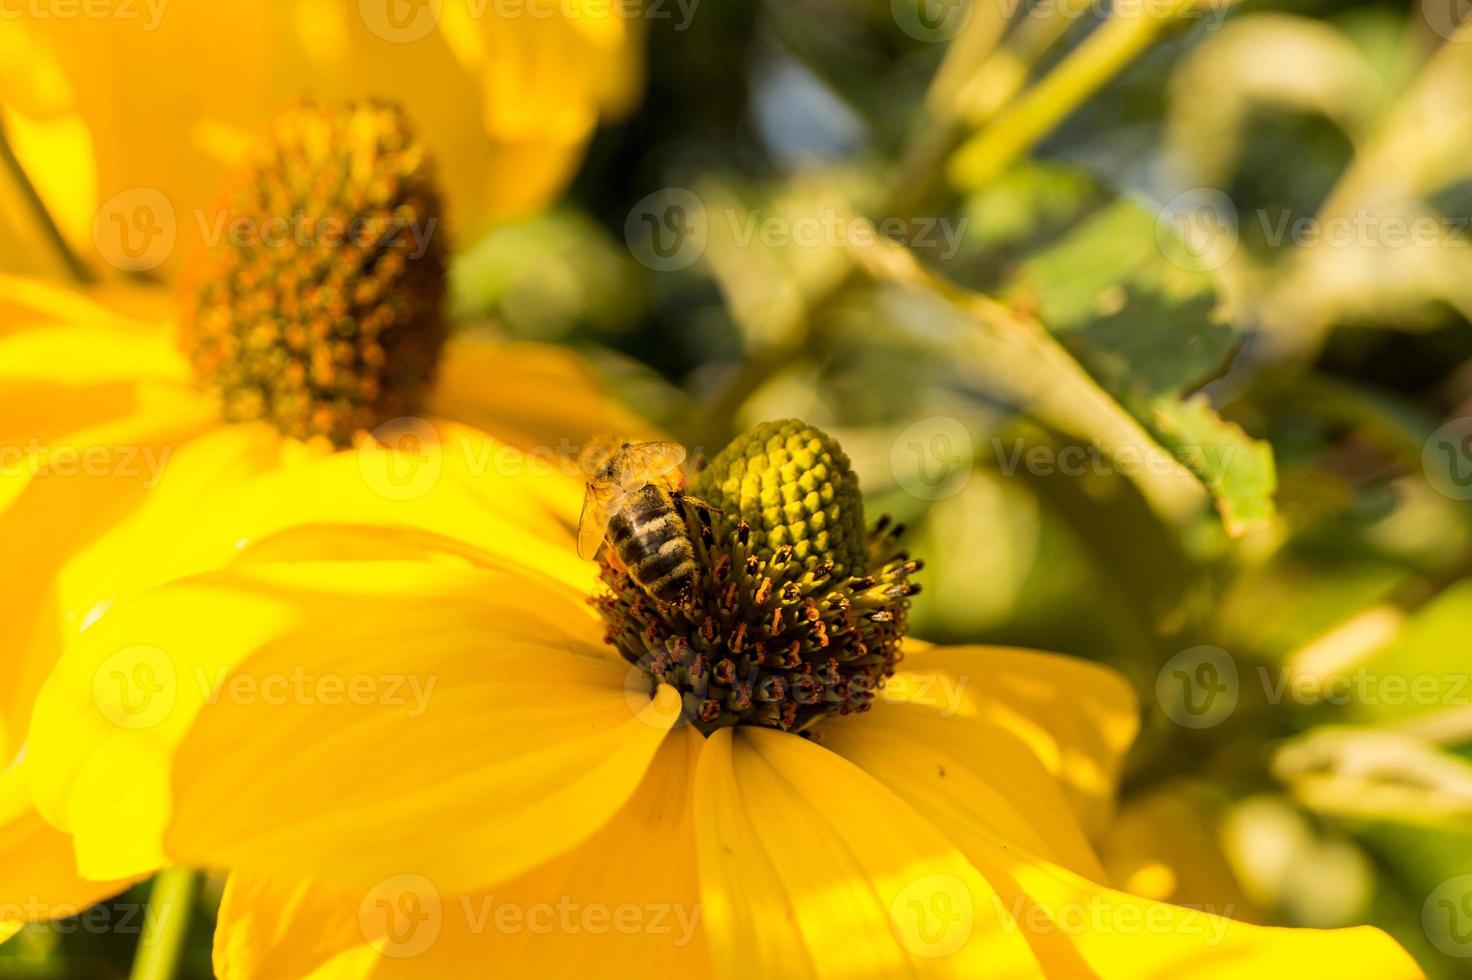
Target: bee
[[631, 502]]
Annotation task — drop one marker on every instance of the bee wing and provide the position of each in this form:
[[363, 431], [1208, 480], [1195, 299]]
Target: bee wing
[[598, 506], [640, 464], [596, 452]]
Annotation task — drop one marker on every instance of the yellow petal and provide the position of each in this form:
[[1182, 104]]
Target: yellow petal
[[38, 877], [182, 506], [187, 482], [524, 174], [245, 485], [1080, 928], [965, 770], [283, 928], [635, 914], [413, 700], [28, 302], [1078, 718], [31, 79], [544, 81], [811, 868], [61, 379], [91, 354], [54, 505], [623, 903], [535, 397], [65, 184]]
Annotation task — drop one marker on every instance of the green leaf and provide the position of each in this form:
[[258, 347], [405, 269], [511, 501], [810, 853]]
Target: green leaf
[[1424, 671], [1237, 469], [1143, 327]]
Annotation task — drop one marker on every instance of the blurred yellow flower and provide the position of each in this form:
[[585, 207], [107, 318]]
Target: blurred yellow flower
[[311, 382], [126, 123], [505, 792]]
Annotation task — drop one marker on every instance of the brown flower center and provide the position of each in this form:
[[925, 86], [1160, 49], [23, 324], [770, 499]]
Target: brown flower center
[[316, 303]]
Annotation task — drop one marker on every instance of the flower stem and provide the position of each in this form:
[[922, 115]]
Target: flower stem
[[169, 903], [33, 200], [941, 125], [1102, 56]]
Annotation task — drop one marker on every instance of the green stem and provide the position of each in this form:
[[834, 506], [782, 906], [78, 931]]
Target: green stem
[[33, 200], [998, 79], [169, 905], [941, 126], [1101, 57], [989, 23]]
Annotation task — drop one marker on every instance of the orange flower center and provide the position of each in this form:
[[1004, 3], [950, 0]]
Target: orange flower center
[[316, 301]]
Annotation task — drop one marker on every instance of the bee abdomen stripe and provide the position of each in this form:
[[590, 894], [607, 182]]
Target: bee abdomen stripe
[[664, 562], [656, 528], [635, 542], [672, 585]]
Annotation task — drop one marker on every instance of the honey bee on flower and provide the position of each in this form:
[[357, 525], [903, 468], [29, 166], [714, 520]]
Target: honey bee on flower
[[631, 502]]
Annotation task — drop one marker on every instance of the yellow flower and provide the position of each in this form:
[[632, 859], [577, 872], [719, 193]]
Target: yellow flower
[[126, 122], [510, 791], [126, 461]]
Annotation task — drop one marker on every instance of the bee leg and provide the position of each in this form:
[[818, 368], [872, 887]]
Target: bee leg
[[699, 504]]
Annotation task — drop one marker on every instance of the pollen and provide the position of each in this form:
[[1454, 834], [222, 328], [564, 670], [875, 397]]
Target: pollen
[[787, 623], [315, 302]]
